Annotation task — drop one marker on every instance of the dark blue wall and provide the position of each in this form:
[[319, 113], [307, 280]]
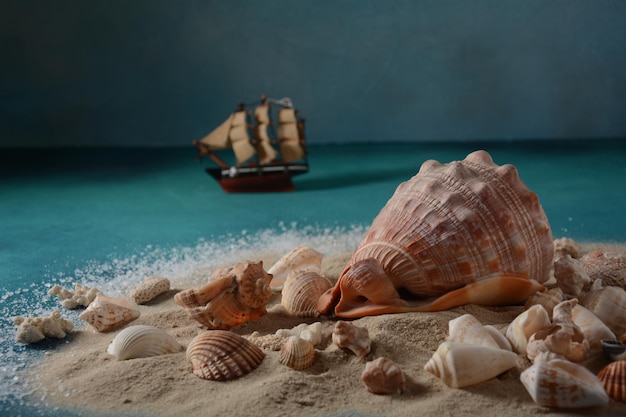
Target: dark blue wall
[[164, 72]]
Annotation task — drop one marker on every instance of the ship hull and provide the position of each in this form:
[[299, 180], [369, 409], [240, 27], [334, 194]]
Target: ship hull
[[265, 178]]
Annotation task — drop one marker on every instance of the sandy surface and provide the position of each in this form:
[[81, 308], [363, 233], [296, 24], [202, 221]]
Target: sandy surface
[[81, 375]]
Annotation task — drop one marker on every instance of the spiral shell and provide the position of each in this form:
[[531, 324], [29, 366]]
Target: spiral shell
[[468, 223], [354, 338], [141, 341], [560, 383], [301, 292], [548, 299], [220, 355], [383, 376], [107, 313], [613, 379], [467, 329], [301, 258], [149, 289], [240, 294], [297, 353]]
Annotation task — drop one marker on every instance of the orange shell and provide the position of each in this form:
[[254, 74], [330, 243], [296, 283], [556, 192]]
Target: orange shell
[[613, 379]]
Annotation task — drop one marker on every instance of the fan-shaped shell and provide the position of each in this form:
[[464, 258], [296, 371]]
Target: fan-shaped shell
[[301, 292], [149, 289], [221, 355], [141, 341], [297, 353], [613, 379], [450, 226], [383, 376], [107, 313], [560, 383], [301, 258]]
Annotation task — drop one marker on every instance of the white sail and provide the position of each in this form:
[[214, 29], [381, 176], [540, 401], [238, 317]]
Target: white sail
[[218, 138], [265, 150], [288, 135], [240, 141]]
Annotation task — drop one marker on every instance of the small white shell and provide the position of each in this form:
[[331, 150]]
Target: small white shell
[[467, 329], [297, 353], [570, 275], [608, 304], [563, 384], [301, 258], [149, 289], [107, 313], [524, 325], [460, 365], [383, 376], [142, 341], [355, 338], [500, 339]]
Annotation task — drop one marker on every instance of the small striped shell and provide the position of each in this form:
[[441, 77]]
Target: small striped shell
[[301, 291], [613, 379], [301, 258], [297, 353], [149, 289], [141, 341], [221, 355], [383, 376], [107, 313]]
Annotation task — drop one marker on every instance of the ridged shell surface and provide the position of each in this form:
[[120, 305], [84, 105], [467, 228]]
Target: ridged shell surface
[[613, 379], [301, 292], [303, 258], [454, 223], [141, 341], [221, 355], [107, 313], [297, 353], [383, 376]]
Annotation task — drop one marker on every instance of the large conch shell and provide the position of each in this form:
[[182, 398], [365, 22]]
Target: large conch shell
[[467, 232], [240, 294]]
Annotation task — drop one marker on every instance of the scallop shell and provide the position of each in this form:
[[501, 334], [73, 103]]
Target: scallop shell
[[468, 232], [301, 292], [240, 295], [593, 328], [141, 341], [107, 313], [355, 338], [220, 355], [613, 379], [560, 383], [610, 268], [548, 299], [525, 325], [608, 304], [149, 289], [383, 376], [301, 258], [460, 365], [297, 353], [570, 275], [469, 330]]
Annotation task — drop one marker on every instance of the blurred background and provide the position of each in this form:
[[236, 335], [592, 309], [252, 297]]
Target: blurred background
[[161, 73]]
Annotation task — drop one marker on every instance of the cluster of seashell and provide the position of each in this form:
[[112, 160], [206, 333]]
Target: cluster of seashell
[[149, 289], [353, 338], [236, 296], [473, 353], [82, 295], [35, 329], [108, 313], [141, 341]]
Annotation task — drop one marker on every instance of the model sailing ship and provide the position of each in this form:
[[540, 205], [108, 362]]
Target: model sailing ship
[[251, 135]]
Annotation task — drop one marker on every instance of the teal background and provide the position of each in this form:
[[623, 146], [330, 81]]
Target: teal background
[[156, 72]]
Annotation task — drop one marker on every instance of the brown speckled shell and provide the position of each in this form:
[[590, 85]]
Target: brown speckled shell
[[613, 379], [453, 223], [221, 355]]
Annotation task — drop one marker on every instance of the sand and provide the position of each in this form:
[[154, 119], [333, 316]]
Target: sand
[[80, 375]]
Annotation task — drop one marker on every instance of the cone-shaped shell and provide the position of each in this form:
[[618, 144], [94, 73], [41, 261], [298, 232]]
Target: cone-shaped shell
[[383, 376], [301, 292], [609, 305], [108, 313], [450, 226], [142, 341], [613, 379], [525, 325], [297, 353], [301, 258], [467, 329], [460, 365], [593, 328], [560, 383], [221, 355], [149, 289]]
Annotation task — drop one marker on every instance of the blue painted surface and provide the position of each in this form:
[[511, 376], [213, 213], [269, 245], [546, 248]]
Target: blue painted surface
[[150, 72]]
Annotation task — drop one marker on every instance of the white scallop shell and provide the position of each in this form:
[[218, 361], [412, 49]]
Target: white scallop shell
[[141, 341], [563, 384], [524, 325], [107, 313], [460, 365], [301, 258]]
